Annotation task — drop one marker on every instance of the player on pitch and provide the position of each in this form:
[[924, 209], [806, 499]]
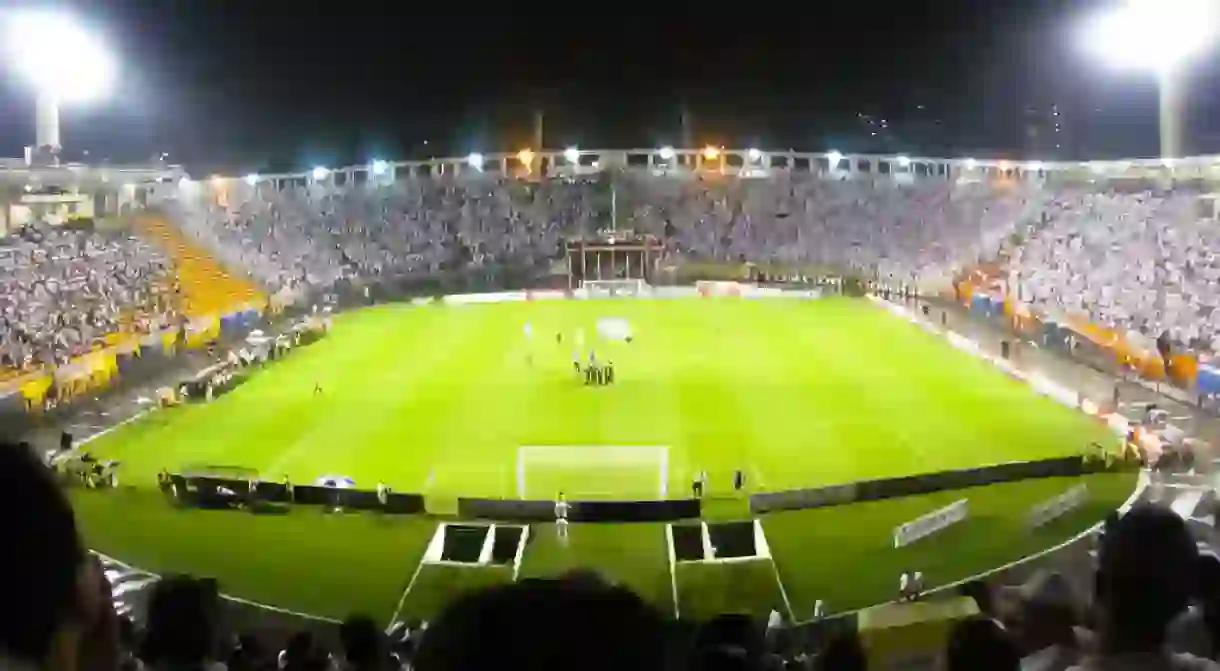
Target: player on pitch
[[561, 517]]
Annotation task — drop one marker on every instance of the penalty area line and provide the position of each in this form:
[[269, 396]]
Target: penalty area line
[[673, 567], [779, 582], [403, 599], [226, 597]]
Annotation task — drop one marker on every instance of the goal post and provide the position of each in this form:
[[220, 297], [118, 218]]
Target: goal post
[[593, 472], [620, 287]]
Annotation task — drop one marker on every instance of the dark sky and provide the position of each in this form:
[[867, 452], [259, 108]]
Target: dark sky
[[270, 84]]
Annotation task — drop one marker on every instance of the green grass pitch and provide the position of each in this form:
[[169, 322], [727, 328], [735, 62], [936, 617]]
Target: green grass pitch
[[438, 399]]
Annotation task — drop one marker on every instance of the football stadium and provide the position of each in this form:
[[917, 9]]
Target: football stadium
[[841, 442], [456, 401], [751, 406]]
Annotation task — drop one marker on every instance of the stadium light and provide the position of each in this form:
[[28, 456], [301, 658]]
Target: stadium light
[[252, 179], [904, 161], [1158, 36], [666, 153], [753, 154], [971, 163], [834, 158], [380, 167], [526, 156], [63, 61], [571, 155], [711, 153], [320, 173], [475, 159]]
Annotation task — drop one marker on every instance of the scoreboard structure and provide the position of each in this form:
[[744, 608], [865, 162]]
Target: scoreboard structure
[[613, 255]]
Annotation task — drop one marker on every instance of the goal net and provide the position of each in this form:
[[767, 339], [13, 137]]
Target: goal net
[[593, 472], [607, 288]]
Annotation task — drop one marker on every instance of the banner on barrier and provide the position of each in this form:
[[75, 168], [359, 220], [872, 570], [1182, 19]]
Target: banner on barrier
[[810, 294], [751, 291], [500, 297], [716, 288], [1058, 506], [926, 525]]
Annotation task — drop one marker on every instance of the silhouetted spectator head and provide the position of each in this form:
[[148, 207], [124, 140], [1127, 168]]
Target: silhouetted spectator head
[[363, 643], [980, 642], [1145, 576], [1043, 611], [844, 652], [1207, 586], [248, 655], [304, 654], [731, 641], [982, 594], [183, 619], [540, 625], [45, 599]]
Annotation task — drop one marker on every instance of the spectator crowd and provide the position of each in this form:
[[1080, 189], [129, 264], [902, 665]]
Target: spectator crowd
[[62, 291], [1140, 261], [1145, 264], [317, 233]]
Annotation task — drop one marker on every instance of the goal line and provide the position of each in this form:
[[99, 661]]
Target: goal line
[[628, 470]]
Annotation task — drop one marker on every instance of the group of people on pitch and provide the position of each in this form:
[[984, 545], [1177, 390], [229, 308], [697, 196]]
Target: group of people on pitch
[[596, 374]]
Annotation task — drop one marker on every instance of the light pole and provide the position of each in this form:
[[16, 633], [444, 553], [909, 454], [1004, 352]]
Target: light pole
[[63, 62], [1158, 36]]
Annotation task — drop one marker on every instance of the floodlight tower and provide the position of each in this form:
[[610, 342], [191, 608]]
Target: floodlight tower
[[1160, 36], [64, 63]]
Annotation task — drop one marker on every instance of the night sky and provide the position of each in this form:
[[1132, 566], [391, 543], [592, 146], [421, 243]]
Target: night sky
[[240, 85]]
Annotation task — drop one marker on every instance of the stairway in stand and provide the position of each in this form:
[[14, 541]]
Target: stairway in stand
[[207, 287]]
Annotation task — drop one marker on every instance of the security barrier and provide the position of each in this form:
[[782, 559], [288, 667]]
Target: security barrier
[[206, 491], [888, 488], [512, 510]]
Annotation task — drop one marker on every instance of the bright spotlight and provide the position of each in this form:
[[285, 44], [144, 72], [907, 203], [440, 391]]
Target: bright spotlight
[[711, 153], [380, 167], [666, 153], [526, 156], [320, 173], [571, 154], [475, 159], [217, 180], [1153, 35], [834, 157], [971, 163], [904, 161], [754, 154], [61, 58], [1034, 165], [252, 179]]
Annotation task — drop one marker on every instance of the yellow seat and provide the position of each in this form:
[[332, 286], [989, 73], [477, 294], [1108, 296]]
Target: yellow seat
[[207, 288]]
